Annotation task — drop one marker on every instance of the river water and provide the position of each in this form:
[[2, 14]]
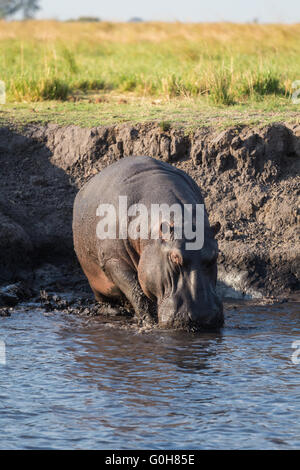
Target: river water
[[79, 383]]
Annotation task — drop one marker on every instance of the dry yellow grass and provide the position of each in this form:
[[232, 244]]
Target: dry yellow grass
[[240, 37]]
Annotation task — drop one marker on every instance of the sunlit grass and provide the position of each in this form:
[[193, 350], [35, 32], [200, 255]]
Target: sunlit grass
[[111, 109], [224, 63]]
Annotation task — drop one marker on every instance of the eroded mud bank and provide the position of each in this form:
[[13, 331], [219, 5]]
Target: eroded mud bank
[[249, 177]]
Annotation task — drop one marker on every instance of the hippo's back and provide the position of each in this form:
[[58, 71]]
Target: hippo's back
[[142, 180]]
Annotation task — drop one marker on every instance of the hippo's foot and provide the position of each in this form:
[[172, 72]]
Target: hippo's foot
[[126, 280], [145, 310]]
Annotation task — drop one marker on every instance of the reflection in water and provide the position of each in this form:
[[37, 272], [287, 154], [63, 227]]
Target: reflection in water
[[79, 383]]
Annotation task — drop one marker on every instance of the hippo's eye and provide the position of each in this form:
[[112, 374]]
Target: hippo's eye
[[167, 231]]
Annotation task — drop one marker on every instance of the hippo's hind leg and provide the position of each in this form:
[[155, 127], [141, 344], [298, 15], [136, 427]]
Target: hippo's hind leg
[[103, 289], [126, 279]]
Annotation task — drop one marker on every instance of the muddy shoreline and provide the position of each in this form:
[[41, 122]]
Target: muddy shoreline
[[249, 177]]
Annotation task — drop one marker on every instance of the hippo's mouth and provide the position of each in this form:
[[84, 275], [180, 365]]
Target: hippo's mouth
[[187, 320], [173, 320]]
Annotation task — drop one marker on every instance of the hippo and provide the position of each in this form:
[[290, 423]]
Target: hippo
[[168, 281]]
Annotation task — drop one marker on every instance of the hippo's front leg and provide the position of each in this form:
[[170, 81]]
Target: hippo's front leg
[[125, 278]]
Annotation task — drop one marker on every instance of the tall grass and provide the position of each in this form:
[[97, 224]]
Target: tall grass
[[228, 63]]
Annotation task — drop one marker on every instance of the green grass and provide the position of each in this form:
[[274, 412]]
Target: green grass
[[185, 74], [188, 113], [227, 63]]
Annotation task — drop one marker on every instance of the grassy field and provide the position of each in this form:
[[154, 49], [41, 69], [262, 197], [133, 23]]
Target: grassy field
[[95, 73]]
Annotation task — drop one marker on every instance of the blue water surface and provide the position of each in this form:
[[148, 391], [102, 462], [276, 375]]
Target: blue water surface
[[79, 383]]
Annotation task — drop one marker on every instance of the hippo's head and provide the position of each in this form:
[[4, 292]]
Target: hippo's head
[[183, 282]]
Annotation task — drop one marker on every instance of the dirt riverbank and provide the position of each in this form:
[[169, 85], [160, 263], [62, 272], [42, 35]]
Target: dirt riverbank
[[249, 178]]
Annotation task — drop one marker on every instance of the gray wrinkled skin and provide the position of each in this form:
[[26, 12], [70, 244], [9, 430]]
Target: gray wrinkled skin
[[165, 282]]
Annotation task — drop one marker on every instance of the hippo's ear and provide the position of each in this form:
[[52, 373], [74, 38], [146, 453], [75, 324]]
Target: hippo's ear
[[176, 257], [215, 228]]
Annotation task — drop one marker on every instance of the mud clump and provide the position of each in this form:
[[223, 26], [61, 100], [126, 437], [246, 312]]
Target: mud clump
[[82, 306], [249, 177], [13, 294]]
